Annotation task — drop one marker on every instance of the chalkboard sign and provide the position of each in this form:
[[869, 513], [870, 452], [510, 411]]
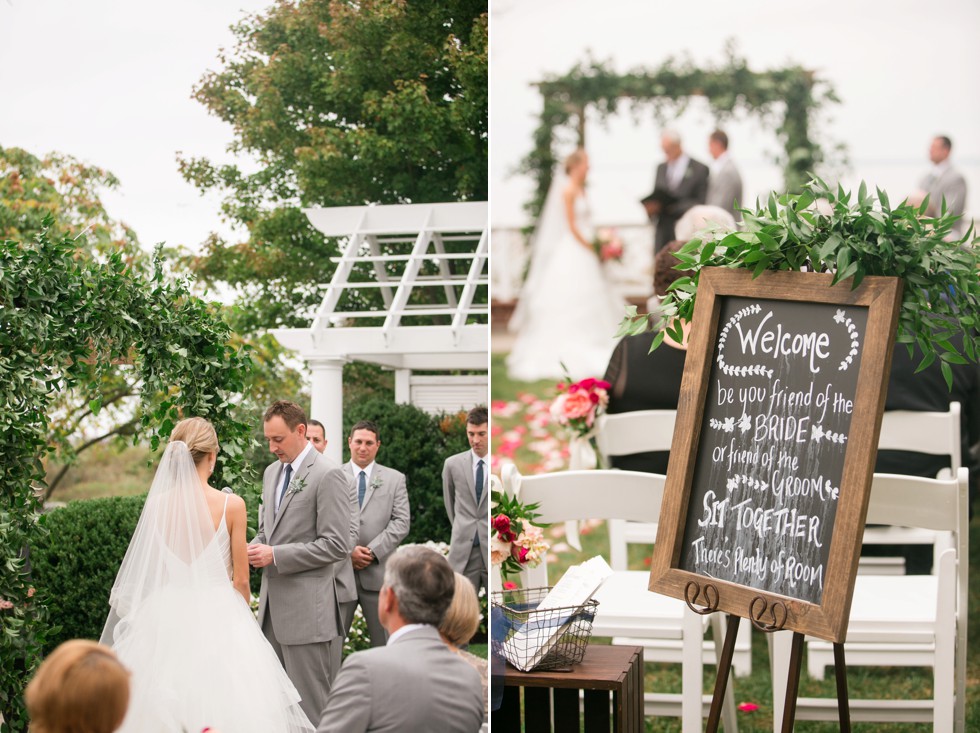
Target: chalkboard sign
[[774, 447]]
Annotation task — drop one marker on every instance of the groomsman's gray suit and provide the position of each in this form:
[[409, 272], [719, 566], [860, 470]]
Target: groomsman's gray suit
[[469, 517], [385, 522], [725, 187], [949, 184], [311, 537], [415, 684]]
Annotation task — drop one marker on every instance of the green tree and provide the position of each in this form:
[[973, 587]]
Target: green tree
[[66, 322], [338, 103]]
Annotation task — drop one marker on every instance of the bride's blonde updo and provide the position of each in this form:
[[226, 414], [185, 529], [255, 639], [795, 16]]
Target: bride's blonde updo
[[577, 156], [199, 436]]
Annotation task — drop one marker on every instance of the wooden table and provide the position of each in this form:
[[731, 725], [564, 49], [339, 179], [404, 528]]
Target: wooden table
[[604, 670]]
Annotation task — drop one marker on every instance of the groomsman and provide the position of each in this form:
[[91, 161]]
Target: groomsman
[[304, 538], [317, 435], [465, 483], [382, 496], [724, 181], [943, 181]]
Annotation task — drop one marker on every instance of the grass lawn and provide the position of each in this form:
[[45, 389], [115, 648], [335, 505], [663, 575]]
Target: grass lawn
[[522, 434]]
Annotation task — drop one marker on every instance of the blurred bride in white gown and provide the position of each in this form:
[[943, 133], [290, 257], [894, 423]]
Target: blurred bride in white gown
[[568, 312]]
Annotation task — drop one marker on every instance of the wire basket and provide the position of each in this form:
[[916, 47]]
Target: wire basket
[[551, 638]]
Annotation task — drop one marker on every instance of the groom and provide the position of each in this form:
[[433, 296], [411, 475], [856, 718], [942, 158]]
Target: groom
[[309, 505]]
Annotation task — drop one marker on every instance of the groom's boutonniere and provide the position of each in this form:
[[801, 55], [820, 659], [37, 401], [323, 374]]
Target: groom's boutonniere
[[296, 486], [376, 482]]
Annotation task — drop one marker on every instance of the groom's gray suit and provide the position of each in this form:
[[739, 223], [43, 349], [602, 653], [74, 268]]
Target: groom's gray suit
[[310, 536], [468, 516]]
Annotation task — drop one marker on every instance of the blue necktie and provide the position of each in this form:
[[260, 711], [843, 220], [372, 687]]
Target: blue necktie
[[361, 488], [479, 495], [285, 485], [479, 481]]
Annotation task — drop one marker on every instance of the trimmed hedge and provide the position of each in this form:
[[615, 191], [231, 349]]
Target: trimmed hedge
[[78, 562]]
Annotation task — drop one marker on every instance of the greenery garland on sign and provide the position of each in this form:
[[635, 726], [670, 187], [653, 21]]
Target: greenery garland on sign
[[787, 99], [65, 321], [824, 230]]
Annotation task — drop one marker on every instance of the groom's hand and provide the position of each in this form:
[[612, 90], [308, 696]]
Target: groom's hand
[[259, 556]]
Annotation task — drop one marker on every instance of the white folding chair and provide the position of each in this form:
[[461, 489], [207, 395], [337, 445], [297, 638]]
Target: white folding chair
[[640, 431], [933, 433], [626, 606], [908, 620]]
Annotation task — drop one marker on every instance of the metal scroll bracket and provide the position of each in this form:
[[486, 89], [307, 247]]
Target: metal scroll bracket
[[693, 590]]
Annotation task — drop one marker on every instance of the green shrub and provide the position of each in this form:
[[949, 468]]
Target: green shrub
[[417, 444], [77, 564]]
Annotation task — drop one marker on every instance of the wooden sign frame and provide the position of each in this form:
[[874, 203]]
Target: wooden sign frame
[[769, 611]]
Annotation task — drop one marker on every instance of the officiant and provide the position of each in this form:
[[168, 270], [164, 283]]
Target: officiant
[[681, 182]]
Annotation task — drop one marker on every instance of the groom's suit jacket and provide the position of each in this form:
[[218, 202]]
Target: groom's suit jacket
[[413, 684], [691, 191], [384, 523], [467, 516], [311, 536]]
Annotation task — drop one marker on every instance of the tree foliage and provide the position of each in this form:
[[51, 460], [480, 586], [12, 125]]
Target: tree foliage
[[67, 321], [338, 104], [787, 99], [827, 230]]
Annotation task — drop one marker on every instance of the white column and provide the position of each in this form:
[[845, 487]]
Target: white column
[[403, 386], [327, 401]]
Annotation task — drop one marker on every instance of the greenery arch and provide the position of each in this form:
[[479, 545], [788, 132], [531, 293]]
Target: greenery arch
[[65, 321], [786, 99]]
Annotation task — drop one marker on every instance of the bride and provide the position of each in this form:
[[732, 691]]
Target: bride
[[179, 617], [568, 312]]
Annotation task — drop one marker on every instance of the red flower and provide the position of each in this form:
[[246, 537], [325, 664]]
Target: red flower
[[587, 383], [522, 555], [595, 398], [603, 384], [509, 585], [501, 523]]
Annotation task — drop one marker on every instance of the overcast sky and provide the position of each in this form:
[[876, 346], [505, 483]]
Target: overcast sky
[[904, 71], [110, 82]]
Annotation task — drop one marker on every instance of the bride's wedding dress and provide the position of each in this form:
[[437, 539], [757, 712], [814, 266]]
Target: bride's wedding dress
[[568, 311], [195, 651]]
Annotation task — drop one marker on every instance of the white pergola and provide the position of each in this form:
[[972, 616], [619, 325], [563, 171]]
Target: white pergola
[[427, 261]]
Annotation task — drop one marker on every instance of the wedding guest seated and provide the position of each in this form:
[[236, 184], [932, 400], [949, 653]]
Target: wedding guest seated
[[926, 391], [461, 621], [414, 683], [81, 686], [643, 381]]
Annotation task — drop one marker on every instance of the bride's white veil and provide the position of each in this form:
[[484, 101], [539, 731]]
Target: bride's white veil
[[171, 537], [552, 225]]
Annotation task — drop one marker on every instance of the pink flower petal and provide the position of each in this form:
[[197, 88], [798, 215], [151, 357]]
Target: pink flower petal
[[748, 707]]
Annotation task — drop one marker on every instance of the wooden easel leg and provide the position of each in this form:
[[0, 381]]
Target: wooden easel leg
[[724, 670], [843, 705], [793, 683]]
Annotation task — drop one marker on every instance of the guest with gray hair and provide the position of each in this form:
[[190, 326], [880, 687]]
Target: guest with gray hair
[[414, 683]]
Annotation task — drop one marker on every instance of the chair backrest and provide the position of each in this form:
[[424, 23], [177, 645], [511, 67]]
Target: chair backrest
[[624, 434], [640, 431], [598, 494], [935, 433], [941, 505]]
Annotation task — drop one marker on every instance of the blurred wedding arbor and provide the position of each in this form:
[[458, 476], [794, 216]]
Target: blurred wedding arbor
[[788, 100]]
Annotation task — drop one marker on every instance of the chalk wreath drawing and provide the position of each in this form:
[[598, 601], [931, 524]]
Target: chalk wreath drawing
[[840, 317]]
